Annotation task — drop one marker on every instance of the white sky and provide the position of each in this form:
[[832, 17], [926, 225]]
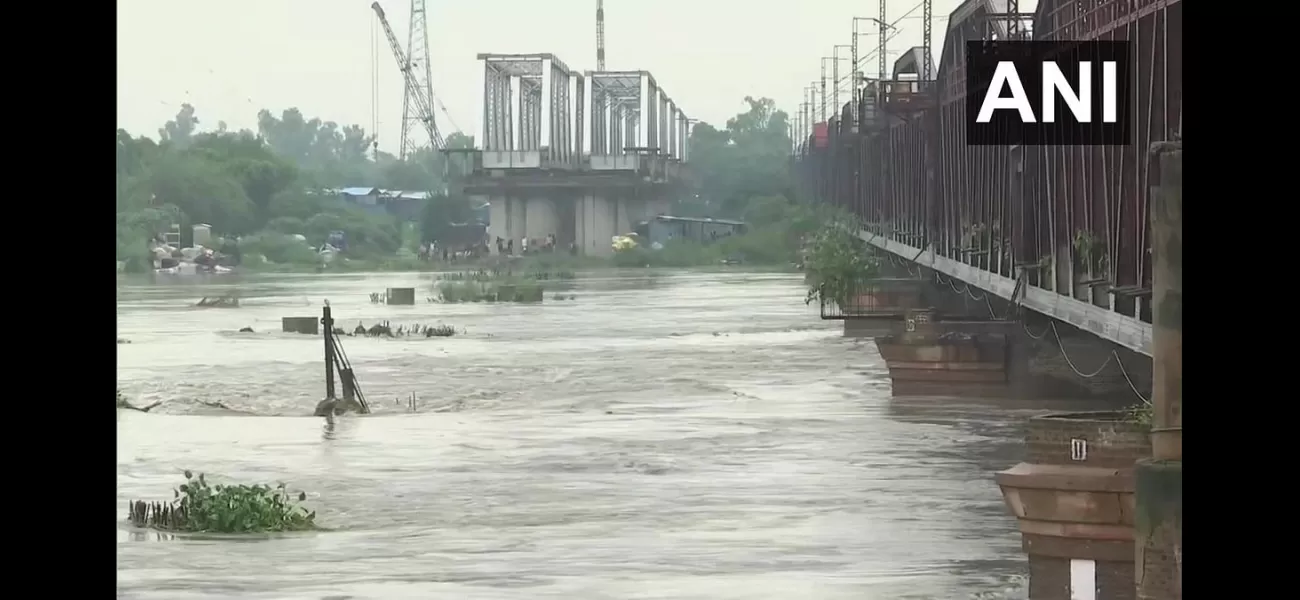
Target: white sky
[[233, 57]]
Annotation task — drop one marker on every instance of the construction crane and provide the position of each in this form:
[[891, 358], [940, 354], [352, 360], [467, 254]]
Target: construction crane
[[419, 94], [600, 35]]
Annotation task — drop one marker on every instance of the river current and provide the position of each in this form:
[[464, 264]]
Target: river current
[[660, 436]]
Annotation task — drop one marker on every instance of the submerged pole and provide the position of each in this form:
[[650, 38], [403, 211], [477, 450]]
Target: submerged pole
[[327, 323]]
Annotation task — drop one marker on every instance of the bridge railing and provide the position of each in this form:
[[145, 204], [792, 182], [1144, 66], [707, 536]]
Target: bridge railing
[[1070, 220], [884, 298]]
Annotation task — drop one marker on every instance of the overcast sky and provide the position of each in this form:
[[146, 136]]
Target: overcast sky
[[231, 58]]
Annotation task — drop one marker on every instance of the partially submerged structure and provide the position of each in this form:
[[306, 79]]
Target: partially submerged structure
[[665, 228]]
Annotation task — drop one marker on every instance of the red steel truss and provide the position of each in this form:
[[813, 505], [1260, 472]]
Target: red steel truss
[[1072, 219]]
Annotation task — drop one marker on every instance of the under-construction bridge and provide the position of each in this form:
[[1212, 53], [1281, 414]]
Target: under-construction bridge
[[1060, 230], [580, 157]]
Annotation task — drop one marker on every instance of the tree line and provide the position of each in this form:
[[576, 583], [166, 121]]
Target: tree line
[[248, 182], [257, 184]]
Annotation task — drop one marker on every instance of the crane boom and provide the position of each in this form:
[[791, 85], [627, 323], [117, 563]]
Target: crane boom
[[413, 89]]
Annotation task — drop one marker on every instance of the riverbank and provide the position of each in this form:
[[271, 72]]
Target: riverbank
[[533, 263]]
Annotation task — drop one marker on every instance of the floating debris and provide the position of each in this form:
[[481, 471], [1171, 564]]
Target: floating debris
[[440, 331], [386, 329], [230, 301]]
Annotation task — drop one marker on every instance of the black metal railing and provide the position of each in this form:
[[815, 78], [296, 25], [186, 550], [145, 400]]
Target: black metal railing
[[877, 299]]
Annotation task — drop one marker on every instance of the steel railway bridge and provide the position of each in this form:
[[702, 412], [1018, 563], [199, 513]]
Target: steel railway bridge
[[1061, 231], [1083, 242]]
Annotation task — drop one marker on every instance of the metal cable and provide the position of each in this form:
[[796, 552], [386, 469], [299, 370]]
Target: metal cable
[[1069, 362], [1040, 336], [1129, 379], [1114, 355]]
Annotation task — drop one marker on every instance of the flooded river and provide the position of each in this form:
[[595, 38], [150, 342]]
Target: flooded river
[[674, 436]]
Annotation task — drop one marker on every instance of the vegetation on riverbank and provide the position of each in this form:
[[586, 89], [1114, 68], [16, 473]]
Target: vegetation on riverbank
[[270, 189], [198, 506], [266, 187], [513, 289]]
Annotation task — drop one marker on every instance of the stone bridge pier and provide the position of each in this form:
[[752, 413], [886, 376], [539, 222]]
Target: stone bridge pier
[[940, 337]]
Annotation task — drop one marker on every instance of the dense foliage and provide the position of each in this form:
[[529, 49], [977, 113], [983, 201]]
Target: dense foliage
[[267, 187], [741, 171], [263, 186], [746, 160], [238, 508], [838, 262]]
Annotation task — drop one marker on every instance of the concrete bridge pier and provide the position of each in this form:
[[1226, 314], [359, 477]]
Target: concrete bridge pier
[[597, 222], [931, 357], [933, 353], [601, 215], [939, 337], [534, 215], [938, 344], [541, 217]]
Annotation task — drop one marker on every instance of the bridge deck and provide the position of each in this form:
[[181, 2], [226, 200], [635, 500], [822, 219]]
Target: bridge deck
[[1121, 329]]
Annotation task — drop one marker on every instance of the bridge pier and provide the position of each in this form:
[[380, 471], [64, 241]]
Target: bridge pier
[[964, 346], [930, 357], [1073, 501]]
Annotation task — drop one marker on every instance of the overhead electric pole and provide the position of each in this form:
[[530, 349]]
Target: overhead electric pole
[[880, 49]]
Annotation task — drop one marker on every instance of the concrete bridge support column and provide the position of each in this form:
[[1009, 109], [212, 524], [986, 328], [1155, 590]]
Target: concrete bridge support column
[[597, 224], [541, 218], [509, 218], [518, 219], [1159, 545], [1073, 502], [498, 217], [1040, 358], [927, 359]]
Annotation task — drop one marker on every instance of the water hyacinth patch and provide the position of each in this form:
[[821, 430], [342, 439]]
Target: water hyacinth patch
[[198, 506]]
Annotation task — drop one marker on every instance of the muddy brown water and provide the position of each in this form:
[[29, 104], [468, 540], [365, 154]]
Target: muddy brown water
[[672, 436]]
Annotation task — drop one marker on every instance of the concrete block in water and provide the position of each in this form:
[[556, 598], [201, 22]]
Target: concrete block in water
[[401, 295], [308, 325]]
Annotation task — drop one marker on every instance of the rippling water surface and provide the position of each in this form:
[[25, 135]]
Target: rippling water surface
[[673, 436]]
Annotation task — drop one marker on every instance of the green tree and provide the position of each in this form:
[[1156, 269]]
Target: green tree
[[441, 213], [329, 155], [178, 131], [747, 159], [249, 162]]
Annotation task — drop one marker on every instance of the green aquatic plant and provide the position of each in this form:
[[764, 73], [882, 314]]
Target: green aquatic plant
[[199, 506], [461, 291], [506, 290]]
